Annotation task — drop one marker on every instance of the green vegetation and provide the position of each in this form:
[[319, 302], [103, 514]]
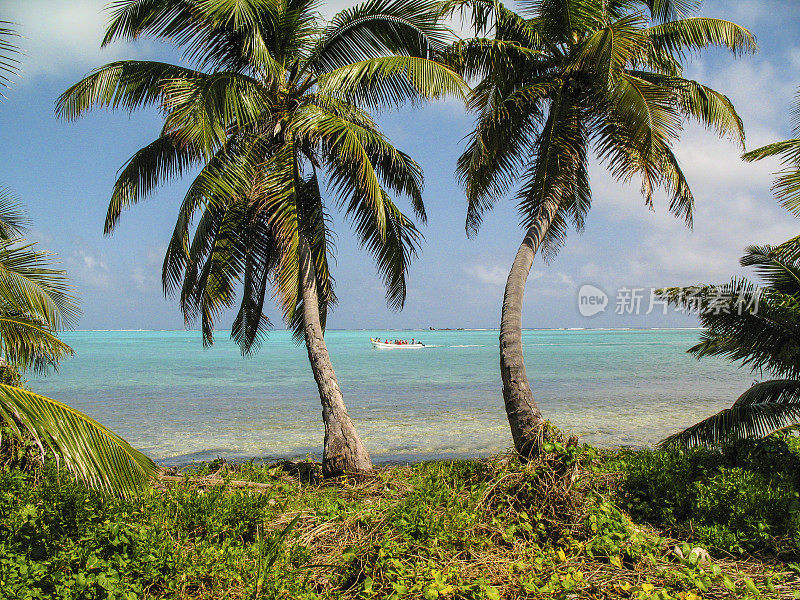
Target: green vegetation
[[743, 498], [758, 327], [555, 527]]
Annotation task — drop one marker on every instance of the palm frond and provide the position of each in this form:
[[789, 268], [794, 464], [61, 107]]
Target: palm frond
[[9, 63], [695, 33], [786, 186], [203, 111], [28, 343], [557, 181], [379, 28], [392, 81], [216, 34], [711, 108], [156, 163], [757, 327], [13, 220], [778, 267], [498, 147], [765, 408], [128, 84], [30, 285], [668, 10], [91, 451]]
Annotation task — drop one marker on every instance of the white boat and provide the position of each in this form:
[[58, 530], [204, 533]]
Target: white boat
[[392, 346]]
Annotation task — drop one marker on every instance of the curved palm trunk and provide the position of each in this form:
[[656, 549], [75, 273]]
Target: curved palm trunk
[[344, 451], [524, 415]]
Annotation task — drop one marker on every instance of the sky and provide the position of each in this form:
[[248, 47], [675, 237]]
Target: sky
[[64, 172]]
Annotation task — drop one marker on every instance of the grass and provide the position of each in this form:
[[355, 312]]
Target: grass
[[556, 527]]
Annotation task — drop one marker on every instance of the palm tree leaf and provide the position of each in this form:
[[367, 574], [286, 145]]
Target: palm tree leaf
[[757, 326], [9, 64], [391, 81], [378, 28], [788, 150], [558, 175], [156, 163], [28, 343], [498, 147], [251, 325], [763, 409], [695, 33], [13, 221], [563, 18], [787, 183], [366, 161], [779, 266], [218, 34], [226, 175], [29, 285], [317, 235], [668, 10], [481, 57], [711, 108], [128, 84], [203, 111], [95, 454]]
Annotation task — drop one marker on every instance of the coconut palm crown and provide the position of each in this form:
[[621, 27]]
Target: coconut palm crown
[[759, 327], [273, 109], [557, 83]]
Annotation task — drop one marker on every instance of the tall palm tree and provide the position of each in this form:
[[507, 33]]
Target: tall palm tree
[[555, 81], [275, 100], [758, 327], [36, 302]]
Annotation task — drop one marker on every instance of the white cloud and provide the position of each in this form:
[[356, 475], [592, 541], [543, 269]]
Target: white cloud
[[155, 255], [487, 275], [89, 267], [60, 36]]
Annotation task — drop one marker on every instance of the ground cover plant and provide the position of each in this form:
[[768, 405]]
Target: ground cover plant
[[742, 499], [554, 527]]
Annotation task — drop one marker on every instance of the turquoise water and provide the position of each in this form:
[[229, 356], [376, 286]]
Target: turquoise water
[[178, 402]]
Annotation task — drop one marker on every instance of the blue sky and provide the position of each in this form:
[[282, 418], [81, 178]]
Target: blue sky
[[64, 173]]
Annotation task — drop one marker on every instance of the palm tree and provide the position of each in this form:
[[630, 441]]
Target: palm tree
[[274, 101], [36, 302], [758, 327], [787, 183], [765, 337], [567, 76]]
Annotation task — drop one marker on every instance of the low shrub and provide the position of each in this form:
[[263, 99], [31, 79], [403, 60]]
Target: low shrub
[[742, 499]]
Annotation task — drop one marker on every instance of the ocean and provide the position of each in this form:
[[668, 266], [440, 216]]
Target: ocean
[[181, 403]]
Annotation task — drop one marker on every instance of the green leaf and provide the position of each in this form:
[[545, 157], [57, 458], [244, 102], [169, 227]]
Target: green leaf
[[95, 454]]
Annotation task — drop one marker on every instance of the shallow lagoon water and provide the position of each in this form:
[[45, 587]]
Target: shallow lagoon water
[[180, 403]]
